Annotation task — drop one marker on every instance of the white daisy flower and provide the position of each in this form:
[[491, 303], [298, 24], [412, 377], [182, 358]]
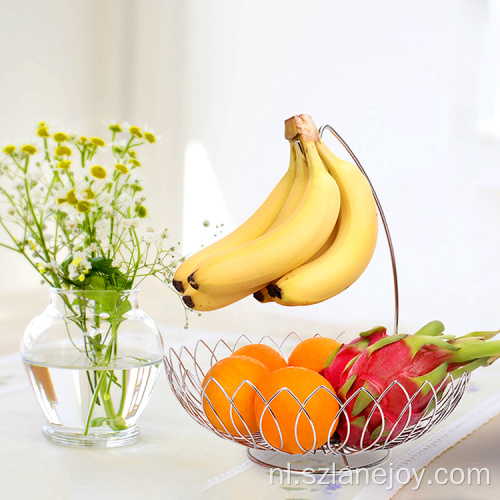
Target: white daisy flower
[[37, 194], [103, 228], [92, 248]]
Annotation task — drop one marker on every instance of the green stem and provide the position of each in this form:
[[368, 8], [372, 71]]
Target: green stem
[[124, 392], [40, 238], [82, 155], [104, 389], [127, 146], [46, 147], [93, 402], [114, 419], [475, 350]]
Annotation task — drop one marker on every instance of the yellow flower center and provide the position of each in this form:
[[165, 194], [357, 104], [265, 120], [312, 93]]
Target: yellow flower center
[[150, 137], [8, 150], [135, 131], [121, 168], [60, 137], [71, 197], [64, 164], [98, 172], [141, 211], [28, 149], [90, 194], [115, 127], [42, 131], [97, 141], [135, 162], [83, 206], [63, 151]]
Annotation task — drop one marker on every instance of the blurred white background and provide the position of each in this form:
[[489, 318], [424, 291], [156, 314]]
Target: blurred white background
[[413, 87]]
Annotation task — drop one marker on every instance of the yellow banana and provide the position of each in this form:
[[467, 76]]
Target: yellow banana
[[352, 249], [283, 248], [298, 187], [263, 296], [291, 203], [203, 302], [256, 225]]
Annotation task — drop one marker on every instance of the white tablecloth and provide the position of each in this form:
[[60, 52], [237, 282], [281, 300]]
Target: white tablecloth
[[177, 458]]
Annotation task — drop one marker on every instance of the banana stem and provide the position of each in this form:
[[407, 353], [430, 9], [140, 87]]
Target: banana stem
[[301, 126]]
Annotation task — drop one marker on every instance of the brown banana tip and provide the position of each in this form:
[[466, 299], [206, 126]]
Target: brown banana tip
[[274, 291], [259, 296], [192, 282], [178, 285], [188, 301]]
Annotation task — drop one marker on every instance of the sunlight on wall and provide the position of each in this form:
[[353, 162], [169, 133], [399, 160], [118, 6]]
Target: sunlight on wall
[[203, 202], [489, 92]]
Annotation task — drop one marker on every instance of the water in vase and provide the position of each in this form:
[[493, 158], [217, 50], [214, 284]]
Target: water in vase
[[93, 400]]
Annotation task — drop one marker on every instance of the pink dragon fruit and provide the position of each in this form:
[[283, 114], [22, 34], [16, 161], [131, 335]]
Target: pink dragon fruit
[[341, 357], [417, 363]]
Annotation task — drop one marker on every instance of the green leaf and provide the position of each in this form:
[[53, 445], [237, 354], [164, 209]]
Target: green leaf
[[123, 308], [484, 335], [362, 344], [433, 328], [434, 377], [372, 331], [386, 341], [97, 422], [359, 421], [96, 282], [117, 423], [363, 399], [65, 265], [377, 432], [343, 390], [332, 355], [351, 362], [469, 367], [415, 342], [103, 265]]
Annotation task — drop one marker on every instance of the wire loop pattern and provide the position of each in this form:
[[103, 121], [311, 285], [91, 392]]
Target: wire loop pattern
[[186, 370]]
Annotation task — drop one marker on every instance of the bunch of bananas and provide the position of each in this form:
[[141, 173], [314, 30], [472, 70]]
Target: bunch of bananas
[[312, 237]]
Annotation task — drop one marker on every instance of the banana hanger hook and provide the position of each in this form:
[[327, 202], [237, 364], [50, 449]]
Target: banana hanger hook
[[382, 217]]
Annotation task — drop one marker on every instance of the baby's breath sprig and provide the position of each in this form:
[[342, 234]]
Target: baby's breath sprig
[[74, 207]]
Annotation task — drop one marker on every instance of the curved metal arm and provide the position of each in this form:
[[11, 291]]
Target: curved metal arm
[[382, 216]]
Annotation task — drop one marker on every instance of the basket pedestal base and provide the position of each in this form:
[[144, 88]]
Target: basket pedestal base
[[318, 462]]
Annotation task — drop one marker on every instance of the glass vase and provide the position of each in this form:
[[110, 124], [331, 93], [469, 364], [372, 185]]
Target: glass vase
[[93, 358]]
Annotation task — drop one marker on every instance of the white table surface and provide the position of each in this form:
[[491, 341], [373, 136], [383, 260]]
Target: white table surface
[[175, 457]]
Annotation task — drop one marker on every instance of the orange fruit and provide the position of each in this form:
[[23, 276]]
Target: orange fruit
[[280, 411], [228, 399], [263, 353], [312, 353]]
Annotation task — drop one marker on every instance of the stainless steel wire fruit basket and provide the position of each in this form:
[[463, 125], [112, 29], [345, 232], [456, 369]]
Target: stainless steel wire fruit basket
[[186, 369]]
